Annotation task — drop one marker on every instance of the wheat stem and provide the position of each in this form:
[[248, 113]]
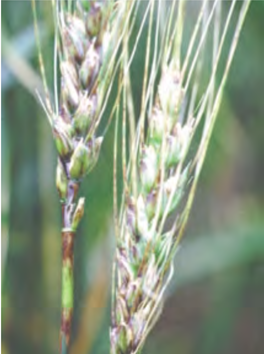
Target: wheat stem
[[68, 237]]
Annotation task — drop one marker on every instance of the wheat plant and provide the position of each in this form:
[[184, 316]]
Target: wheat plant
[[87, 39], [163, 157], [163, 146]]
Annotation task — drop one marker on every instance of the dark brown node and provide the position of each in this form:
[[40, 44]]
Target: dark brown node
[[67, 245]]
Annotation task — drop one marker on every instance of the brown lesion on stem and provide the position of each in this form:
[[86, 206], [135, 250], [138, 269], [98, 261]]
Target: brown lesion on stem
[[68, 238], [67, 246], [66, 321], [67, 312]]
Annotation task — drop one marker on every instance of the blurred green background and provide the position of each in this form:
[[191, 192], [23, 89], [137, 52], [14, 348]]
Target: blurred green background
[[215, 303]]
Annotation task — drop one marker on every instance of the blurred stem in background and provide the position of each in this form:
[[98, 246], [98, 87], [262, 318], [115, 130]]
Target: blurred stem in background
[[5, 201], [25, 261], [24, 258]]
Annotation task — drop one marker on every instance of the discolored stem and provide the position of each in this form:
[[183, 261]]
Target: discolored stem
[[67, 292]]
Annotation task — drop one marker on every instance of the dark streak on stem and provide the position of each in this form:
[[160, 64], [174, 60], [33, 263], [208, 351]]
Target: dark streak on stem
[[68, 237]]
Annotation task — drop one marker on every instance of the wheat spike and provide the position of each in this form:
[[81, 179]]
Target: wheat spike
[[161, 175]]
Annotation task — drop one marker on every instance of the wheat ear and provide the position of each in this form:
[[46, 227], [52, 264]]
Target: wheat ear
[[161, 175], [87, 38]]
